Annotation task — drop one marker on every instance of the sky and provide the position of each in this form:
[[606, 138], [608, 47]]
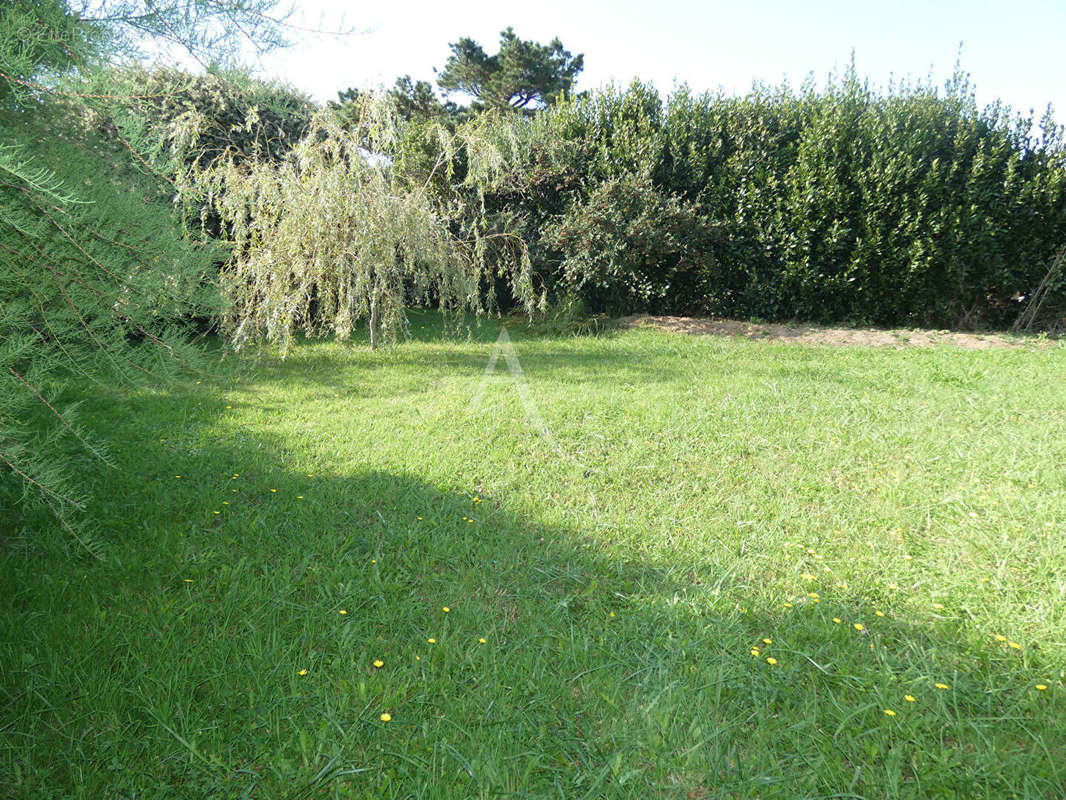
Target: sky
[[1013, 51]]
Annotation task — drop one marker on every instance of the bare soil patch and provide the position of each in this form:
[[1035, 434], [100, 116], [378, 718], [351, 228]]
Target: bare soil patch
[[801, 333]]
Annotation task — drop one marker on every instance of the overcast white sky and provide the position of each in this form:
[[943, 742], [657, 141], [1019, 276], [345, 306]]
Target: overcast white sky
[[1014, 51]]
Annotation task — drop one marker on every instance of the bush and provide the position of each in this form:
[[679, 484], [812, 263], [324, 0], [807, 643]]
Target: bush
[[629, 247]]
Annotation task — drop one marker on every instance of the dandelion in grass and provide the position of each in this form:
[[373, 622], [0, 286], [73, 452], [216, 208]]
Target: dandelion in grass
[[218, 512], [1041, 687], [273, 490], [767, 641], [808, 577], [909, 698], [755, 651], [302, 672], [771, 661], [611, 614], [941, 686], [445, 609], [299, 497], [342, 612], [938, 606], [431, 640], [177, 476], [482, 640], [1014, 645], [859, 626], [378, 663], [188, 580], [419, 518], [890, 712], [788, 605], [385, 717], [837, 620], [814, 596], [999, 637], [879, 613]]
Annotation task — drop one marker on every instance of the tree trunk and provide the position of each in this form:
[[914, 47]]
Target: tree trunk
[[373, 322]]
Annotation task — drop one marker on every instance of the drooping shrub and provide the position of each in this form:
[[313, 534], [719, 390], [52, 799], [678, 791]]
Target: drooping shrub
[[332, 234]]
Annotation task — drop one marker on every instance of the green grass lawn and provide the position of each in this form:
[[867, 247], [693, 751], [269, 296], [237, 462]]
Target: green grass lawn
[[755, 570]]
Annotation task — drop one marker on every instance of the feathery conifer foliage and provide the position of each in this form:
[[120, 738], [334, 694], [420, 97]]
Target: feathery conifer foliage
[[97, 280]]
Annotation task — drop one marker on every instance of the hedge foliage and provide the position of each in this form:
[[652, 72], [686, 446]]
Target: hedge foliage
[[906, 206]]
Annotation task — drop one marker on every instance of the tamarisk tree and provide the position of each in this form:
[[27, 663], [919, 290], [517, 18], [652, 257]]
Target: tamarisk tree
[[98, 283]]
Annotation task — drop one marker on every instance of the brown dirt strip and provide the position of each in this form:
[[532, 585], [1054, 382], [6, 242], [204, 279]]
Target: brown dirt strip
[[813, 334]]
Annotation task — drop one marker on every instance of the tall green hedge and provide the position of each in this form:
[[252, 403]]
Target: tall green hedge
[[911, 205]]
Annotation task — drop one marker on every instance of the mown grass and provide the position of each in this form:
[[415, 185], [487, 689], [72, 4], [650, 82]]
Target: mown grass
[[712, 495]]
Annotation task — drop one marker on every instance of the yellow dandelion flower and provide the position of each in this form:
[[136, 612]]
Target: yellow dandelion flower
[[859, 626], [1040, 687], [1015, 645], [771, 661], [909, 698], [420, 518], [767, 641], [378, 663], [482, 640], [218, 512], [813, 595], [373, 561], [299, 497], [788, 605], [386, 717], [225, 502], [755, 651], [808, 577], [177, 476], [836, 620], [342, 612], [273, 490], [890, 712], [302, 672], [893, 586], [188, 580], [431, 640], [445, 609], [938, 606], [999, 637], [941, 686], [611, 615], [879, 613]]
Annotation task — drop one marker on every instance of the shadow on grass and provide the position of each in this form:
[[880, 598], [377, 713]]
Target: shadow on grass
[[209, 655]]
